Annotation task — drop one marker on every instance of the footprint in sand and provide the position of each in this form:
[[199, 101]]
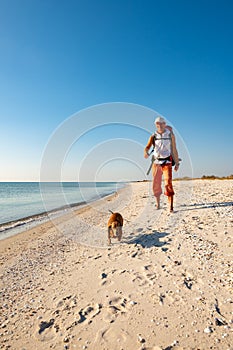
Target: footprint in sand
[[146, 278], [169, 297], [89, 312], [66, 303], [149, 273], [117, 306], [105, 279], [111, 337], [115, 336], [46, 330], [85, 315], [139, 280]]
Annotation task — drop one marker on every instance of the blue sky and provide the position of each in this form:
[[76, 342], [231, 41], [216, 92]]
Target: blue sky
[[58, 57]]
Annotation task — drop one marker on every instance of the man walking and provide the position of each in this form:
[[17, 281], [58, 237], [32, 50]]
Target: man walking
[[165, 155]]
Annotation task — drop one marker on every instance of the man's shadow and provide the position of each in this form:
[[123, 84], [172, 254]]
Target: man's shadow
[[206, 205], [148, 240]]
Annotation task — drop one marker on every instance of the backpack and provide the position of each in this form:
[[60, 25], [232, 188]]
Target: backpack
[[164, 138]]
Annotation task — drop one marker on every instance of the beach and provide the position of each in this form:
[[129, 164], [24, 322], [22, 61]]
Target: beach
[[167, 285]]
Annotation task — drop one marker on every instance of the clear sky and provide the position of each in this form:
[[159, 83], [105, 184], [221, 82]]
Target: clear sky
[[59, 57]]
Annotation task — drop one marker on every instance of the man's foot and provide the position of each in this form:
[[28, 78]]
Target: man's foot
[[157, 203]]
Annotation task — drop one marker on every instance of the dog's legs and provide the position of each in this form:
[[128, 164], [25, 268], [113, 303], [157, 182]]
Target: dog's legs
[[170, 200], [109, 235], [120, 234]]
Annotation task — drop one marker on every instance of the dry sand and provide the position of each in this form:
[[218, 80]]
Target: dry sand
[[168, 285]]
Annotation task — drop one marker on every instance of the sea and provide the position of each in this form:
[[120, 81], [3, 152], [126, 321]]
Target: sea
[[25, 204]]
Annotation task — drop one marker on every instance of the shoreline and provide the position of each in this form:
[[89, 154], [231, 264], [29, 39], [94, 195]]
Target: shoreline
[[13, 227], [29, 235]]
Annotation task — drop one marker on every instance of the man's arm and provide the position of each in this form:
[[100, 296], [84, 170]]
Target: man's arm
[[148, 146], [174, 151]]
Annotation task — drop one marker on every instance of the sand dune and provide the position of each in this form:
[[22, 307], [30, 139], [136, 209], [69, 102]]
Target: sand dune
[[167, 285]]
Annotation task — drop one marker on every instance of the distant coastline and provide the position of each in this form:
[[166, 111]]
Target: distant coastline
[[205, 177], [188, 178]]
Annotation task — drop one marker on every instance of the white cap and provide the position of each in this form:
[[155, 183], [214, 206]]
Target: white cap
[[160, 120]]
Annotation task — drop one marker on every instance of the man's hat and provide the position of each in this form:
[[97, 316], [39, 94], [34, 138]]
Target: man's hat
[[160, 120]]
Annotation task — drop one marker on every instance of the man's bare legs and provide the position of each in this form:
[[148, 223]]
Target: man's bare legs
[[167, 172], [157, 181], [170, 201]]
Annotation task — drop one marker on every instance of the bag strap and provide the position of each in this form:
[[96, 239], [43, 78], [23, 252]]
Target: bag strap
[[162, 138]]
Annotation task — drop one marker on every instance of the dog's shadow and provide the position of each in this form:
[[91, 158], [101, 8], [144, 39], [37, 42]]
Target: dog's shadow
[[148, 240]]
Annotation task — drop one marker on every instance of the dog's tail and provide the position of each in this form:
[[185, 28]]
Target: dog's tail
[[110, 211]]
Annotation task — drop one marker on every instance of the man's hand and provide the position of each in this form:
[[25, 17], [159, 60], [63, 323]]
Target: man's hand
[[176, 167], [145, 154]]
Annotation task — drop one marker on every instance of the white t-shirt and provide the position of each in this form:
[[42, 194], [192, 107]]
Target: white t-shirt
[[162, 146]]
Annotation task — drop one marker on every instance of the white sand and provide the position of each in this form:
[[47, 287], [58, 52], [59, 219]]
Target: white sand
[[168, 285]]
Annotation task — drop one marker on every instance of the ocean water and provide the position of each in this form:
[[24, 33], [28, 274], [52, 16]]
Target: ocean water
[[21, 201]]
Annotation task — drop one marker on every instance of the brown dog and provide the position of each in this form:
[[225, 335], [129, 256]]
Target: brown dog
[[115, 224]]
